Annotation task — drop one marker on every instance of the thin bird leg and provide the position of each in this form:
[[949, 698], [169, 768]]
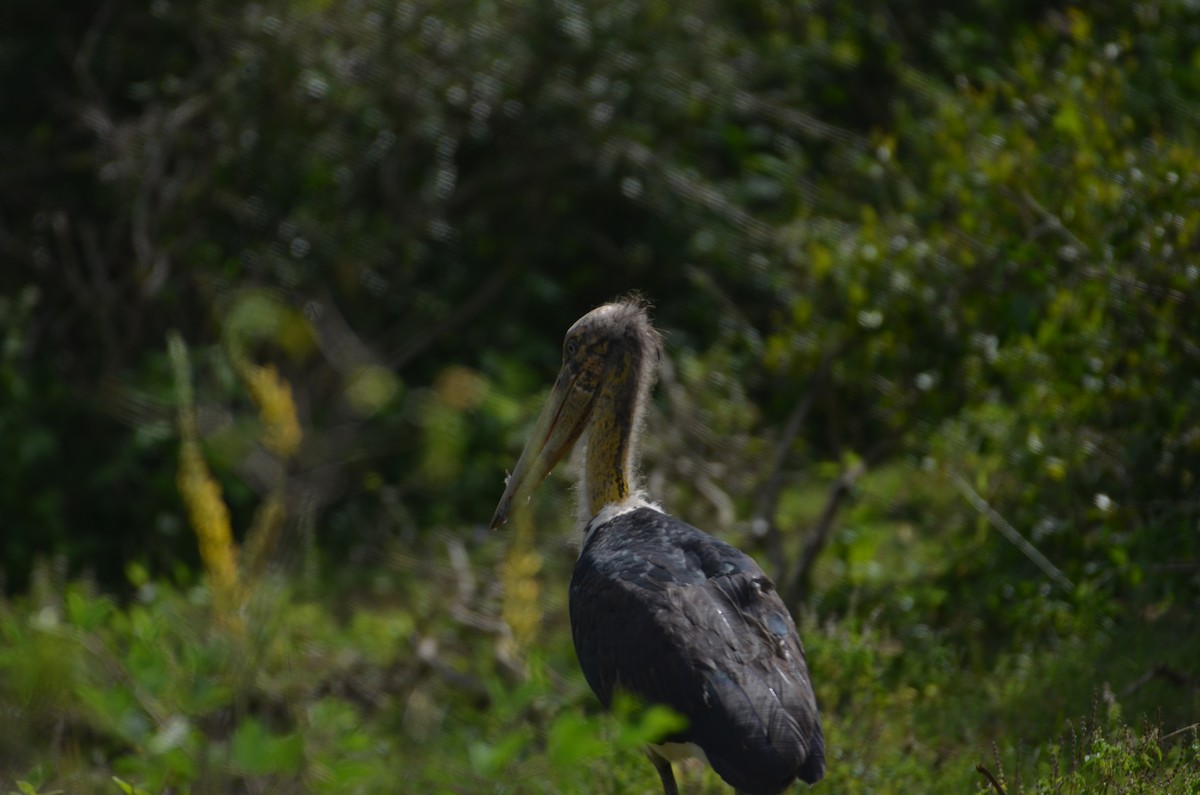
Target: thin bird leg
[[664, 772]]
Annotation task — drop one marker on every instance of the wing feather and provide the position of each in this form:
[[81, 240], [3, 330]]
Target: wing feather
[[674, 616]]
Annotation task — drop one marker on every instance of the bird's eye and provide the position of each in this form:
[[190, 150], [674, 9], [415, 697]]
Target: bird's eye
[[571, 348]]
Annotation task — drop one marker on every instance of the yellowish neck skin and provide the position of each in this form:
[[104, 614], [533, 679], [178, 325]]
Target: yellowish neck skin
[[609, 464]]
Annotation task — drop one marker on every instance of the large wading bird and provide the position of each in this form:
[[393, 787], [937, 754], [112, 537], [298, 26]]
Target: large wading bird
[[659, 609]]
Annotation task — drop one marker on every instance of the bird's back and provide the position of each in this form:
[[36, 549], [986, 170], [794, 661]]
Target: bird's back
[[674, 616]]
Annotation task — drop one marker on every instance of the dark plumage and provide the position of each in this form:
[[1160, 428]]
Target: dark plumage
[[659, 608], [677, 617]]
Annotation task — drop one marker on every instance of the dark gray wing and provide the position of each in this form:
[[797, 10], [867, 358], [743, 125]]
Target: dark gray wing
[[675, 616]]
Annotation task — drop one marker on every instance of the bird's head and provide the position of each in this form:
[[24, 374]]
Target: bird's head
[[608, 353]]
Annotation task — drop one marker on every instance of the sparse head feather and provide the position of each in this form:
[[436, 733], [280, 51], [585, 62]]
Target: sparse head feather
[[610, 361], [624, 320]]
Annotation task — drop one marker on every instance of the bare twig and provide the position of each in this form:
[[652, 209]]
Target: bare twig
[[336, 338], [1160, 671], [716, 496], [762, 521], [461, 315], [74, 277], [82, 62], [1135, 287], [1010, 532], [795, 584], [1051, 221], [983, 771], [807, 124], [1174, 567], [1178, 732], [697, 190], [428, 652]]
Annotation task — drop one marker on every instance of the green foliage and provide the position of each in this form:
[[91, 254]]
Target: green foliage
[[253, 751], [1106, 756], [301, 700], [929, 282], [314, 696], [128, 788], [25, 788]]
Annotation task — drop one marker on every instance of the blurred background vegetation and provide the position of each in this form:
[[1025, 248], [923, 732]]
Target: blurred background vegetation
[[284, 283]]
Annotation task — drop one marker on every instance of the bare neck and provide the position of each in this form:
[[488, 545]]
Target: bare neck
[[609, 467]]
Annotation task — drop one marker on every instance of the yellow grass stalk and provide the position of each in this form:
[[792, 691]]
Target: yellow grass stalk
[[201, 493]]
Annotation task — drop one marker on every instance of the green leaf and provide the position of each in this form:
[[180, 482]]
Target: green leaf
[[257, 752], [491, 759], [651, 725], [87, 612], [127, 788], [573, 738], [1069, 121]]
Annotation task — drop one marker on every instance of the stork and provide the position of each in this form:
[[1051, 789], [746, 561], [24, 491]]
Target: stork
[[660, 609]]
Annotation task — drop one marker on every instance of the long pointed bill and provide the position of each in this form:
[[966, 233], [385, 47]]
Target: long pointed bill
[[557, 429]]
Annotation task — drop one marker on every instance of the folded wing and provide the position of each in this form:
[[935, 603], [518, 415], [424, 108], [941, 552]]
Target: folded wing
[[677, 617]]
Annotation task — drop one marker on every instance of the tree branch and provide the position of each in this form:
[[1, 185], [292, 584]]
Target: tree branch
[[983, 771], [1008, 531], [795, 584], [763, 522], [461, 315]]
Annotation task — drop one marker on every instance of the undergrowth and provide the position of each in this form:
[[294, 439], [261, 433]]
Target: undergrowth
[[390, 693]]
